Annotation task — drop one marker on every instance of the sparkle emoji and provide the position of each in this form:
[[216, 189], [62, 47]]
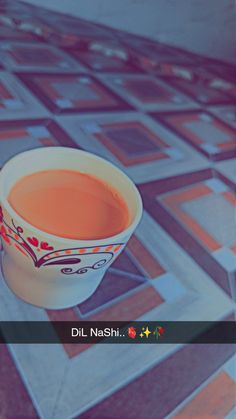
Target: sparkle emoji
[[132, 332], [146, 332]]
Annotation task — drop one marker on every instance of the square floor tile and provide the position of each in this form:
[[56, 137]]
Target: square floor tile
[[148, 93], [26, 56], [22, 135], [141, 147], [16, 101], [205, 90], [198, 211], [205, 132], [73, 93]]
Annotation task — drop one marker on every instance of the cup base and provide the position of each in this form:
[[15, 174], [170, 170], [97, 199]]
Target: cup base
[[55, 294]]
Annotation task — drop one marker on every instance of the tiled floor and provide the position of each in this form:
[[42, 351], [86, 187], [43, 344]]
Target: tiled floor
[[168, 119]]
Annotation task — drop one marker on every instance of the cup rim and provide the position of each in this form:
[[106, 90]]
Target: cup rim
[[52, 237]]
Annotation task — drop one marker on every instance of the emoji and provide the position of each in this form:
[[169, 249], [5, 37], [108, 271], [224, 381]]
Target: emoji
[[132, 332]]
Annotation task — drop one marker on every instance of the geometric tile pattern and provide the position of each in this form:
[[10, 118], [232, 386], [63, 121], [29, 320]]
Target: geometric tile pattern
[[140, 293], [193, 209], [206, 91], [138, 276], [211, 397], [143, 148], [205, 132], [16, 101], [22, 135], [200, 83], [26, 56], [165, 117], [72, 93], [148, 93]]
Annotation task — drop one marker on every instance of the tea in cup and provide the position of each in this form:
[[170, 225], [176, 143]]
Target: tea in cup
[[65, 216]]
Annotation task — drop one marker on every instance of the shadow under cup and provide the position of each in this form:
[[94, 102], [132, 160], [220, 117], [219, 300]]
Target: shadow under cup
[[51, 271]]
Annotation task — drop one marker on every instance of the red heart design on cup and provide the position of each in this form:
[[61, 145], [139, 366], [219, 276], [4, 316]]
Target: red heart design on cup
[[45, 246], [33, 241]]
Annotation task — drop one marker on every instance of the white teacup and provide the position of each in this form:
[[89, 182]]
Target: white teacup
[[50, 271]]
